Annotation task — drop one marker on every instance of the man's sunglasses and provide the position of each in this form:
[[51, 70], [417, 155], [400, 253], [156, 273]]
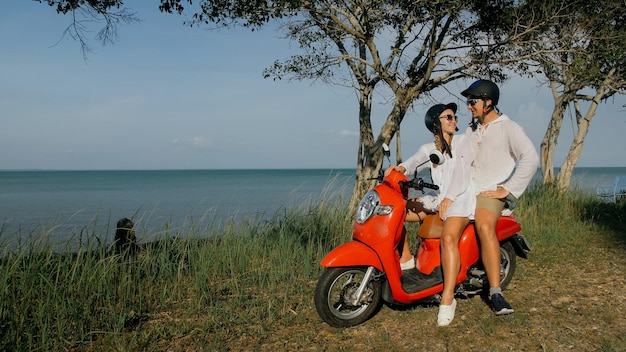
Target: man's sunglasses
[[472, 102], [448, 117]]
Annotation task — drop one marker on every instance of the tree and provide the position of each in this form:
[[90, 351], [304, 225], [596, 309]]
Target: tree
[[406, 48], [85, 12], [582, 56]]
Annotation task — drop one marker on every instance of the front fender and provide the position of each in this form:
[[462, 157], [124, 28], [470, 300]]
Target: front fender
[[352, 253]]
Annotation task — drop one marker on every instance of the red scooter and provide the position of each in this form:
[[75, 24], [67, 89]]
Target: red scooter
[[364, 272]]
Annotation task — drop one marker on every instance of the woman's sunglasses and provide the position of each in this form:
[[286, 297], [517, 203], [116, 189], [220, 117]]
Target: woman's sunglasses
[[448, 117]]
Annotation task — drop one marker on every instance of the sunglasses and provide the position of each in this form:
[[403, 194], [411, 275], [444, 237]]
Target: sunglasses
[[448, 117], [472, 102]]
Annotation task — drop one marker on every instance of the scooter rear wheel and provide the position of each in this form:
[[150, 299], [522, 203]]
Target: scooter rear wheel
[[508, 263], [336, 301]]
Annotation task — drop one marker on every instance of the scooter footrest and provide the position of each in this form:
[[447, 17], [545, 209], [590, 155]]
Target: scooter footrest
[[414, 280]]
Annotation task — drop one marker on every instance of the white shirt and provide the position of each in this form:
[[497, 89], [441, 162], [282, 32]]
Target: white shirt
[[453, 176], [503, 156]]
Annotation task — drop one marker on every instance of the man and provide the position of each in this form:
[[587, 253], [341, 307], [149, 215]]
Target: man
[[505, 161]]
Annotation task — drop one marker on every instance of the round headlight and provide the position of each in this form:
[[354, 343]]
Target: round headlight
[[367, 206]]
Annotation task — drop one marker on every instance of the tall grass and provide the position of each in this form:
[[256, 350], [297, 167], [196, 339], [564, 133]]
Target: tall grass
[[254, 270], [203, 290], [552, 220]]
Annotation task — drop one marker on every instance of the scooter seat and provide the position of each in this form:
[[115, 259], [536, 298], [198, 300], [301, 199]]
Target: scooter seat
[[431, 227]]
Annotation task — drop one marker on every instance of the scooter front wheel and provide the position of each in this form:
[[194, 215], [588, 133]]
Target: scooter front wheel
[[336, 298]]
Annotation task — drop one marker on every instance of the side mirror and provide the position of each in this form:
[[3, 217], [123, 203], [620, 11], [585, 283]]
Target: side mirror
[[436, 157]]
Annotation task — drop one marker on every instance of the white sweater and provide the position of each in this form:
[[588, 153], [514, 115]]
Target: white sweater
[[453, 177], [503, 156]]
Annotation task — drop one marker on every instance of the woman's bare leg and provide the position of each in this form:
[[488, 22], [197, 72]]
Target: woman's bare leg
[[450, 258]]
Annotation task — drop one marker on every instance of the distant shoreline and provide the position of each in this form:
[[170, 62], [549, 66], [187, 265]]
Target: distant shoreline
[[176, 170], [246, 170], [61, 203]]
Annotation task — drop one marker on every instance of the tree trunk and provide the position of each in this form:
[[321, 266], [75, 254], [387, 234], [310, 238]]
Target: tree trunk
[[370, 158], [398, 147], [567, 169], [551, 137], [549, 143], [367, 162]]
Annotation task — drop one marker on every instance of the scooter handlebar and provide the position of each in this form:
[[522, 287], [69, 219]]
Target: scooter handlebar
[[419, 184], [429, 185]]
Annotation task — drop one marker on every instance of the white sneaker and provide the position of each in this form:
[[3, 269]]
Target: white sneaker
[[446, 314], [408, 265]]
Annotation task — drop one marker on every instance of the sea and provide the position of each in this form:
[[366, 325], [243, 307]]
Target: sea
[[71, 206], [59, 206]]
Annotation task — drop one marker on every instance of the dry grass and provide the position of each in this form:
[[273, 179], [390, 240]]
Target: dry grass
[[578, 305]]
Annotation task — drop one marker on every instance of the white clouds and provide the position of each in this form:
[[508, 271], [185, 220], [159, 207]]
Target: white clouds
[[348, 134], [199, 142]]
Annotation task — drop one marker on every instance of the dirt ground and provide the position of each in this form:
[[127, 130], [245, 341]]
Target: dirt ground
[[570, 305]]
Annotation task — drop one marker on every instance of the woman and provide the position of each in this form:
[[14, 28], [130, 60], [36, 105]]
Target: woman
[[455, 202]]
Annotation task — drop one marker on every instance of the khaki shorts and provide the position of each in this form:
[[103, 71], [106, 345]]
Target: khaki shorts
[[493, 204]]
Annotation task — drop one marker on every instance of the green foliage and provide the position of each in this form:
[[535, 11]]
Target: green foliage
[[171, 6], [87, 12], [587, 39], [65, 6]]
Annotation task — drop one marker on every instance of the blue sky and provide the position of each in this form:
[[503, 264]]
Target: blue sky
[[166, 96]]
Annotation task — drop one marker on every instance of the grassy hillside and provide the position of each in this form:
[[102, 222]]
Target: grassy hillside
[[250, 287]]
